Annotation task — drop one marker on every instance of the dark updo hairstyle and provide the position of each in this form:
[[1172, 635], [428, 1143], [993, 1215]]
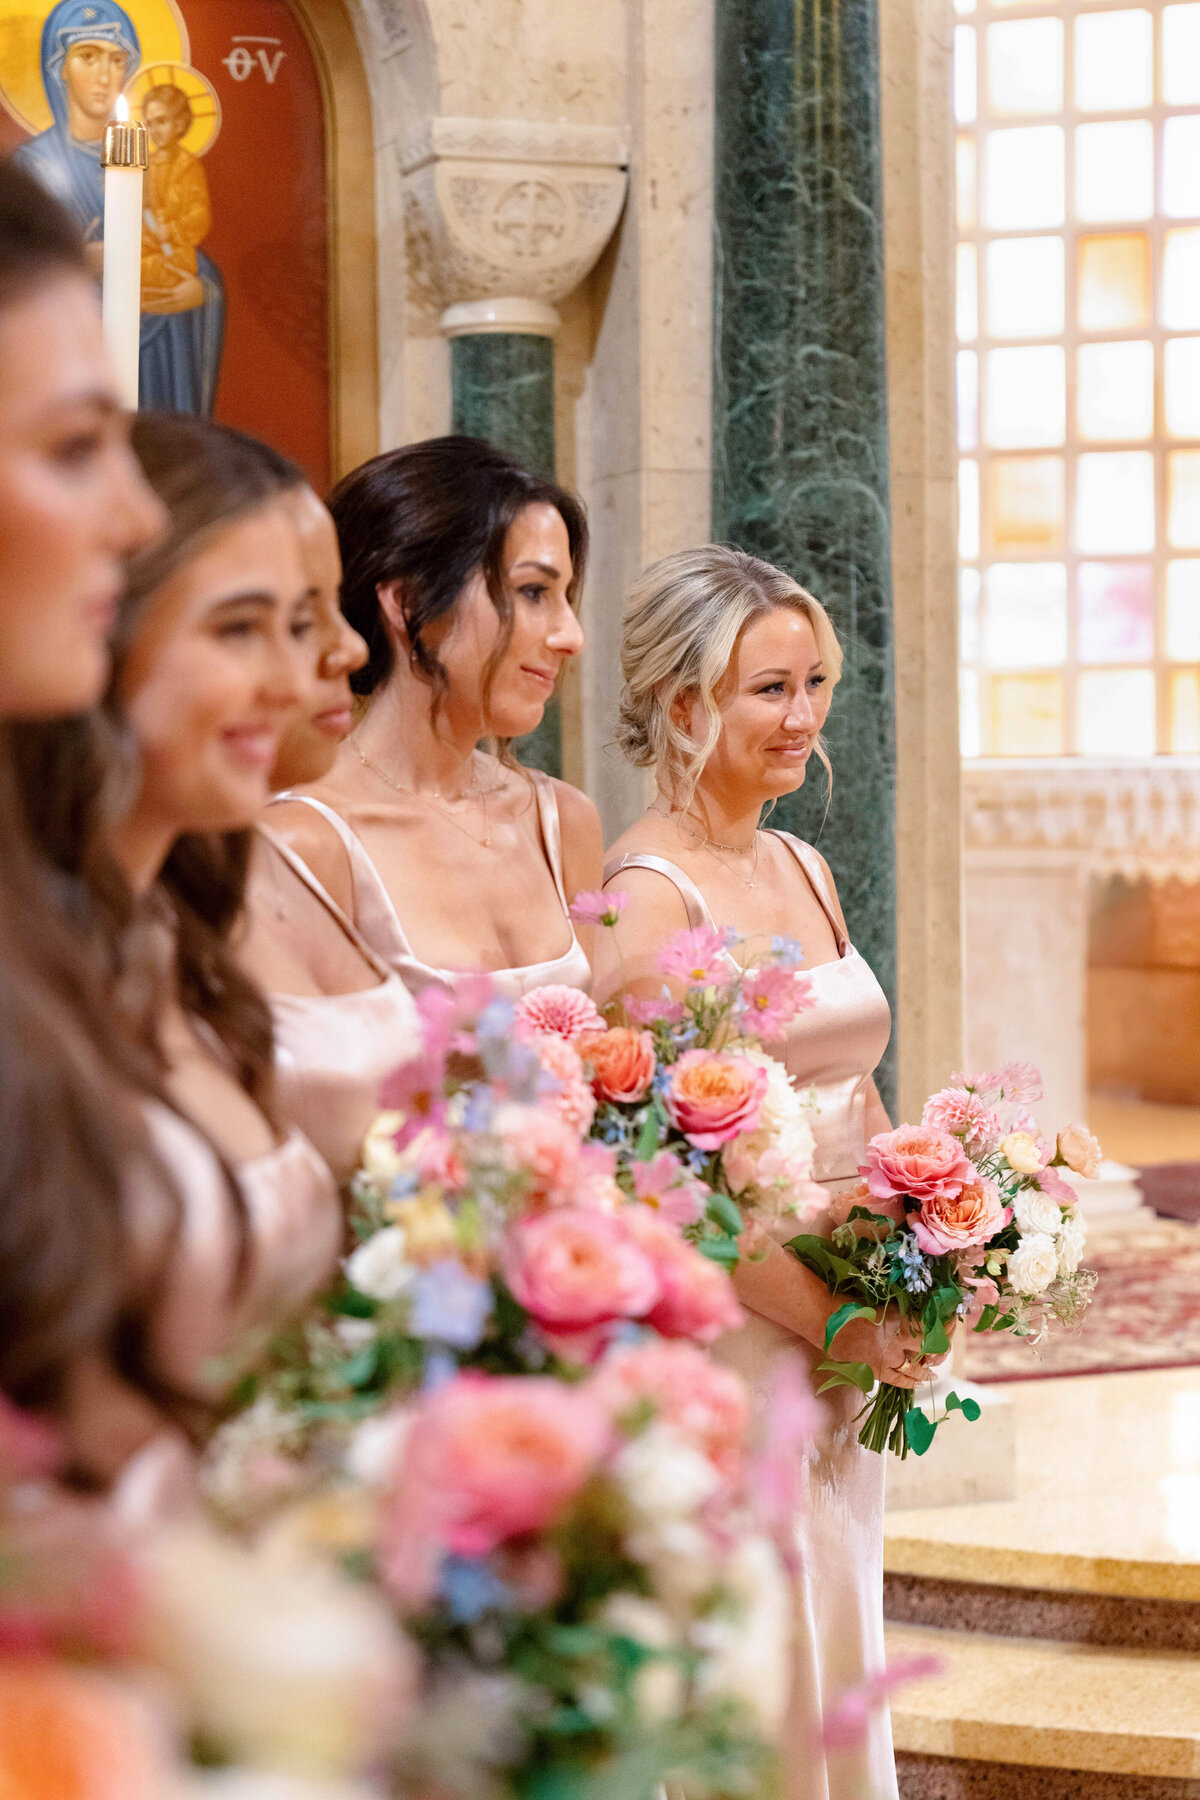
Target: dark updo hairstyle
[[77, 775], [428, 517], [72, 1134]]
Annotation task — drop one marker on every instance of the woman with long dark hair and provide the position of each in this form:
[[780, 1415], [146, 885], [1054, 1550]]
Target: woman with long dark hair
[[73, 506], [343, 1019], [135, 806], [462, 572]]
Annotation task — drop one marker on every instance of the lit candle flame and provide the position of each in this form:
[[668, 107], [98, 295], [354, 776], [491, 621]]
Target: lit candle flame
[[121, 110]]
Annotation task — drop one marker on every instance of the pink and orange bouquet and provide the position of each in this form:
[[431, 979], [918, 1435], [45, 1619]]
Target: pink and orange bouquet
[[704, 1122], [505, 1416], [965, 1218]]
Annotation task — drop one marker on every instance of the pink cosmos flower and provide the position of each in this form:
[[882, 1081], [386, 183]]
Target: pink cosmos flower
[[575, 1267], [416, 1089], [964, 1115], [696, 1295], [950, 1221], [1021, 1083], [711, 1097], [845, 1723], [594, 908], [698, 957], [556, 1011], [446, 1014], [538, 1144], [916, 1160], [488, 1458], [985, 1082], [771, 997], [666, 1185], [681, 1385], [653, 1012], [573, 1097]]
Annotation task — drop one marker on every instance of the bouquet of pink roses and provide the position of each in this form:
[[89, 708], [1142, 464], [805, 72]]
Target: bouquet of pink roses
[[704, 1123], [504, 1416], [963, 1217]]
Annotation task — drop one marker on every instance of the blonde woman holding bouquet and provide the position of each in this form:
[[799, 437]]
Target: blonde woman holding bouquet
[[729, 670]]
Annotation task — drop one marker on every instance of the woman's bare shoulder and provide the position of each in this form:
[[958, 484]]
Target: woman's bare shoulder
[[316, 842]]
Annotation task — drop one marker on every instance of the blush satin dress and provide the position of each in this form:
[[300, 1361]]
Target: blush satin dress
[[832, 1048], [332, 1051], [376, 921]]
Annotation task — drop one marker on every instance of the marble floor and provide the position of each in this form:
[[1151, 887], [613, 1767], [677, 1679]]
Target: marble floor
[[1067, 1619], [1108, 1494]]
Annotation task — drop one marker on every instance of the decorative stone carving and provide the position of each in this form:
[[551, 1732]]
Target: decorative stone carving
[[1119, 818], [508, 209]]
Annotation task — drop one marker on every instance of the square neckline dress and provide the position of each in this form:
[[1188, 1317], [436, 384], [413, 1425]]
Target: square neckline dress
[[832, 1047]]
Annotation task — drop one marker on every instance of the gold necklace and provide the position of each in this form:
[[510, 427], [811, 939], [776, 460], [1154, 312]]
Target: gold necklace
[[437, 801], [706, 843]]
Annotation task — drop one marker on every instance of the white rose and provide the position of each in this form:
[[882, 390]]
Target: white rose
[[1033, 1265], [663, 1476], [1080, 1151], [373, 1453], [380, 1157], [1021, 1149], [781, 1107], [658, 1688], [1036, 1212], [288, 1664], [1071, 1244], [748, 1653], [379, 1267]]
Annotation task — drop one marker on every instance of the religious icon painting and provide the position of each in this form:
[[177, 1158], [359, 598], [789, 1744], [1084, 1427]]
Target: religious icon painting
[[234, 237]]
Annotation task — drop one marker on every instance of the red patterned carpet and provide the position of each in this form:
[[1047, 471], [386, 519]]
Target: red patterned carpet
[[1145, 1314]]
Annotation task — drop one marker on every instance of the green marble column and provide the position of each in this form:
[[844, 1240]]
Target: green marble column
[[800, 394], [502, 389]]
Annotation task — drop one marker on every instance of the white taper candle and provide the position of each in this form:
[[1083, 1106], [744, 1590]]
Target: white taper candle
[[125, 159]]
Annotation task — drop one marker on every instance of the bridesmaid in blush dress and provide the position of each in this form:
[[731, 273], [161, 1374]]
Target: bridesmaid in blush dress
[[211, 661], [462, 571], [728, 666], [343, 1018]]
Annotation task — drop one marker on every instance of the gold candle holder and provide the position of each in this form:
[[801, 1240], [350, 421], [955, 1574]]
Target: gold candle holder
[[126, 145]]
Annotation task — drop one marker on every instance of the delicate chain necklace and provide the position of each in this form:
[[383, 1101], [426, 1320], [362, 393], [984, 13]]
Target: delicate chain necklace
[[687, 827], [472, 791]]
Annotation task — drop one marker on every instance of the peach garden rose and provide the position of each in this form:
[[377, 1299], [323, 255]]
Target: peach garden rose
[[918, 1160], [949, 1222], [622, 1062], [712, 1097], [576, 1267]]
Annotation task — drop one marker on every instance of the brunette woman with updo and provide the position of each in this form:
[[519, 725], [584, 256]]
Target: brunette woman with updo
[[135, 806], [462, 572], [73, 506]]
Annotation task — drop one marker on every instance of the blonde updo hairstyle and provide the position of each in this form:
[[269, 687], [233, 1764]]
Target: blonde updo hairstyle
[[684, 618]]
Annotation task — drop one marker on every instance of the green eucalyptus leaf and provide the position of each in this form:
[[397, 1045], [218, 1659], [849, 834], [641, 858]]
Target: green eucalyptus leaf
[[725, 1214], [720, 1249]]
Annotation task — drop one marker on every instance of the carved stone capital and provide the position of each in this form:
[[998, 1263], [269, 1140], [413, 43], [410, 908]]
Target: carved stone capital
[[1103, 818], [500, 209]]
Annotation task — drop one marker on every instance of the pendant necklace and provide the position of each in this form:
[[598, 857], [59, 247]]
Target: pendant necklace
[[473, 790], [709, 844]]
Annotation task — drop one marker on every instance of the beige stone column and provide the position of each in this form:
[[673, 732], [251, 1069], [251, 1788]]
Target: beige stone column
[[918, 171], [646, 469]]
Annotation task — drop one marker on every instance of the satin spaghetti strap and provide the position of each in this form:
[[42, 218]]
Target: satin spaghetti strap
[[810, 863], [304, 874], [694, 901]]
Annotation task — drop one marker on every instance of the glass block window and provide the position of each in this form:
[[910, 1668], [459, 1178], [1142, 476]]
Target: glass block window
[[1078, 318]]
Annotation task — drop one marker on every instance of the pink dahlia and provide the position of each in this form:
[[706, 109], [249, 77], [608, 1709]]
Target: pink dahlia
[[964, 1115], [572, 1096], [595, 908], [556, 1011]]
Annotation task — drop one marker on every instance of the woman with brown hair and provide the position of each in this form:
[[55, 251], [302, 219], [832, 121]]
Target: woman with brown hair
[[461, 572], [73, 505], [210, 662]]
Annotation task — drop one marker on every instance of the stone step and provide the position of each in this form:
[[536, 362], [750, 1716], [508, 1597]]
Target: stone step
[[1116, 1621], [1039, 1720]]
